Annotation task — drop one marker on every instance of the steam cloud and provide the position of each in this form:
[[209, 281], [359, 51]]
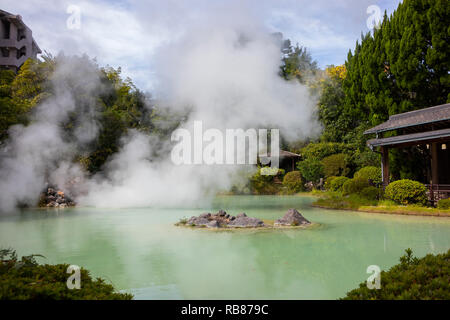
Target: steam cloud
[[224, 71]]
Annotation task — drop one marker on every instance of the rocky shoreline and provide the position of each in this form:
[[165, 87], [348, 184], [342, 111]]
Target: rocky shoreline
[[222, 220]]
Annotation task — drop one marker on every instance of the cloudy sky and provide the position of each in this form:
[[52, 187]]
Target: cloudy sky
[[128, 33]]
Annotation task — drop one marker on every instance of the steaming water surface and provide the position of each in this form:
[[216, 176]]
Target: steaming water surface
[[141, 251]]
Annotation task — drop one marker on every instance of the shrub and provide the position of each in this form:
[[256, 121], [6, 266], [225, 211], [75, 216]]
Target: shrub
[[264, 184], [293, 181], [328, 180], [335, 165], [26, 279], [337, 183], [370, 173], [444, 204], [355, 185], [310, 169], [411, 279], [371, 193], [407, 192]]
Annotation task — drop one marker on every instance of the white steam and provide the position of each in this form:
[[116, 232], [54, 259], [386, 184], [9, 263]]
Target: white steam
[[225, 71]]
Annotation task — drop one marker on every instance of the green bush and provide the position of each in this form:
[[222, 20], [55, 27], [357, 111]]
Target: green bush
[[355, 185], [321, 150], [412, 279], [293, 181], [370, 173], [265, 184], [444, 204], [327, 184], [335, 165], [25, 279], [337, 183], [371, 193], [311, 169], [406, 192]]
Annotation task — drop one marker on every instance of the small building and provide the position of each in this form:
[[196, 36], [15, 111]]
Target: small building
[[16, 41], [428, 128], [287, 160]]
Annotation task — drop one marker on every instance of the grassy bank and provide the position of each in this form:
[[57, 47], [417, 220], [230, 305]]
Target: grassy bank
[[335, 200]]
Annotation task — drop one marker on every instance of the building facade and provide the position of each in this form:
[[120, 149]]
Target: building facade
[[16, 41], [427, 128]]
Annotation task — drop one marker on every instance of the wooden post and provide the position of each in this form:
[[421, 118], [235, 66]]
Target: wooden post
[[385, 165], [434, 164]]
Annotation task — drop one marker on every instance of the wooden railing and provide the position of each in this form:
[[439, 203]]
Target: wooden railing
[[437, 192]]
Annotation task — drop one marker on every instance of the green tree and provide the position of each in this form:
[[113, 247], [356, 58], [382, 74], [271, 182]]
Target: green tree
[[311, 169]]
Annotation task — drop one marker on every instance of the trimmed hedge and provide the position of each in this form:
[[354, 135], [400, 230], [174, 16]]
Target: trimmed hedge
[[371, 193], [293, 181], [412, 279], [355, 185], [407, 192], [337, 183], [311, 169], [370, 173], [25, 279], [444, 204]]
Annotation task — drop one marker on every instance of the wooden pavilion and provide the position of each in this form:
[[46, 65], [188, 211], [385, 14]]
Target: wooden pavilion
[[430, 128]]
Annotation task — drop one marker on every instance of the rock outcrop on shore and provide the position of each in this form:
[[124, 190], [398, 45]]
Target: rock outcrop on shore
[[53, 198], [223, 220]]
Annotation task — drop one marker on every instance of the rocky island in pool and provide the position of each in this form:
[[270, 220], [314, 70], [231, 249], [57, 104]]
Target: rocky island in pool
[[222, 220]]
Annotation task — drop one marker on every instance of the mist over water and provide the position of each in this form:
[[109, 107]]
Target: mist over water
[[222, 71]]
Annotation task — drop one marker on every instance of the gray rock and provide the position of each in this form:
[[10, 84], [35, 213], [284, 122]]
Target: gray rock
[[232, 218], [221, 213], [205, 215], [246, 222], [241, 215], [291, 218], [197, 221], [213, 224]]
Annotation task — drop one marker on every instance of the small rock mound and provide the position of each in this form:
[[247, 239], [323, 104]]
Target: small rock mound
[[291, 218]]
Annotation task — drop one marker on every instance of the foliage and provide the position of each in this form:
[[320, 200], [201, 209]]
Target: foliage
[[264, 184], [310, 169], [370, 192], [337, 183], [355, 185], [370, 173], [412, 279], [335, 200], [406, 192], [297, 63], [115, 104], [321, 150], [327, 184], [335, 165], [400, 67], [293, 181], [25, 279], [444, 204]]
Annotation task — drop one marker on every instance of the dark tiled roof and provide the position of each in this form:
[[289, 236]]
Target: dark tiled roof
[[413, 118], [412, 138]]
